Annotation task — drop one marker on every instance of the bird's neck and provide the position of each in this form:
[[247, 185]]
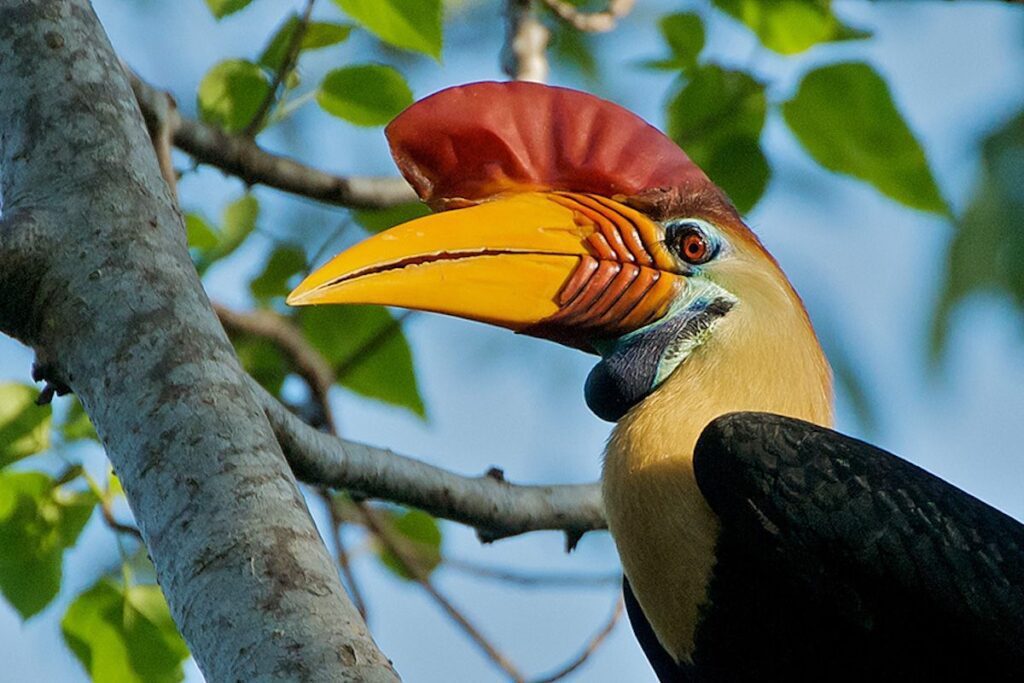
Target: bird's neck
[[763, 356]]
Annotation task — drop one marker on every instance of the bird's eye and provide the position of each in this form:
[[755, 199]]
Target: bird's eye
[[692, 245]]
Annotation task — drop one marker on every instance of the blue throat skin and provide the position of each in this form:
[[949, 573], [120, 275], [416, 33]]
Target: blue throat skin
[[635, 364]]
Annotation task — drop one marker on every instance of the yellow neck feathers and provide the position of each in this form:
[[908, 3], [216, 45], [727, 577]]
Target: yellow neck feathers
[[762, 356]]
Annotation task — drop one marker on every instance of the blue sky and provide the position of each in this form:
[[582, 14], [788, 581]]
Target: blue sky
[[956, 71]]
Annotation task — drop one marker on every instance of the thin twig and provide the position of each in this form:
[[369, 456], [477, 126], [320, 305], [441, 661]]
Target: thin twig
[[308, 362], [285, 68], [107, 510], [412, 567], [160, 120], [377, 340], [589, 649], [534, 579], [241, 157], [342, 553], [343, 226], [523, 55], [591, 22]]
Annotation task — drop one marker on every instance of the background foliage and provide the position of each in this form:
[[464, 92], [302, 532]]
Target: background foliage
[[735, 77]]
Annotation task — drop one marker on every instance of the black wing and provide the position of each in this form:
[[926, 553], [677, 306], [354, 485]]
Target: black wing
[[839, 560]]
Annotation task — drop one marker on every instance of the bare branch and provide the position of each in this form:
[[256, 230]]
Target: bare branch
[[408, 561], [526, 39], [590, 648], [291, 56], [496, 508], [534, 579], [240, 156], [591, 22]]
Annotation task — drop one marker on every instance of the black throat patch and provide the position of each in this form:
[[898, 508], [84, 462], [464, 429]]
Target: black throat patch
[[629, 373]]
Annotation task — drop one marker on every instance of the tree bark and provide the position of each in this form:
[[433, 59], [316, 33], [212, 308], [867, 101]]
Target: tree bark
[[95, 276]]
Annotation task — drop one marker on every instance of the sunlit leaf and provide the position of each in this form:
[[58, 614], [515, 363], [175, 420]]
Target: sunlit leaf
[[844, 116], [410, 24], [318, 34], [717, 118], [376, 220], [222, 8], [24, 426], [419, 537], [366, 95], [285, 263], [77, 425], [790, 26], [38, 522], [231, 92], [368, 351], [684, 34], [123, 636], [200, 234], [114, 489], [237, 222], [987, 252]]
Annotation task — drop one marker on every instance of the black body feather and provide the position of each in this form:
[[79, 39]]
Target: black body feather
[[840, 561]]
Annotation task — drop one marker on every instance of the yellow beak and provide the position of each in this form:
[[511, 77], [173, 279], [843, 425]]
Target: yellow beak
[[568, 267]]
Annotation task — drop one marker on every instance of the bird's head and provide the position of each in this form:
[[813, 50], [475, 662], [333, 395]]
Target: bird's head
[[564, 216]]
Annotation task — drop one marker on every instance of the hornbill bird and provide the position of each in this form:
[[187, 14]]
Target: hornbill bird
[[757, 544]]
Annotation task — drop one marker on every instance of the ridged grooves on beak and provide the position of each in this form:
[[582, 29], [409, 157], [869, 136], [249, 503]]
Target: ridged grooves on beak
[[627, 265]]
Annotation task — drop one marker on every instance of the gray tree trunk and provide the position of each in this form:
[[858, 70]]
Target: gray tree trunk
[[95, 276]]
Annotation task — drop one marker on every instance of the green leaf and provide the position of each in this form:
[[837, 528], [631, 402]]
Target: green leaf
[[122, 636], [222, 8], [366, 95], [199, 233], [574, 48], [410, 24], [420, 539], [318, 34], [378, 220], [717, 118], [24, 426], [238, 221], [284, 263], [844, 116], [790, 26], [684, 34], [231, 93], [263, 361], [739, 167], [367, 349], [77, 425], [987, 251], [38, 522]]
